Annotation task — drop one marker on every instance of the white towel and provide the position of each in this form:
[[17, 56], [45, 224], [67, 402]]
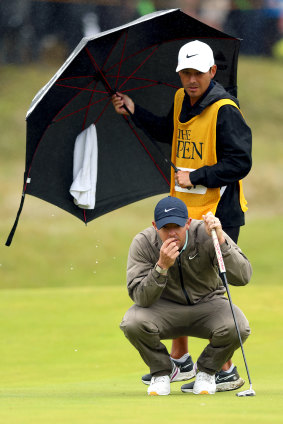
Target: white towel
[[83, 188]]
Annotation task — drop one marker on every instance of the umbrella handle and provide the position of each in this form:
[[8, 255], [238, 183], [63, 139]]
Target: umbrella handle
[[114, 91]]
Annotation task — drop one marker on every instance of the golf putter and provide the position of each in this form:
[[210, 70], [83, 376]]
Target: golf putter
[[222, 269]]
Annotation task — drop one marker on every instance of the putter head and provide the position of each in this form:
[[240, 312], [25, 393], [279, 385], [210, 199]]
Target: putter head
[[249, 392]]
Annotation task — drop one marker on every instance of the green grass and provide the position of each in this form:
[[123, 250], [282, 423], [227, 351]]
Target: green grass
[[260, 94], [64, 360], [63, 290], [60, 251]]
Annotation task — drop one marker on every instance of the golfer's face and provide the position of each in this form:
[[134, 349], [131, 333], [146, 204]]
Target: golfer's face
[[174, 231], [195, 82]]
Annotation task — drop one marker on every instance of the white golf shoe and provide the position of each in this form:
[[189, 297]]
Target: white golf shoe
[[160, 386], [204, 384]]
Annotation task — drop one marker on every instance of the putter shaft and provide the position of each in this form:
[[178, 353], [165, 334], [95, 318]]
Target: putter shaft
[[222, 270]]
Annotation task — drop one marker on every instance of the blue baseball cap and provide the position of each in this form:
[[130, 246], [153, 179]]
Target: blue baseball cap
[[170, 210]]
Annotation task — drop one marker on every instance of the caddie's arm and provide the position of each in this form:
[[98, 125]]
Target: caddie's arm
[[182, 178], [159, 127]]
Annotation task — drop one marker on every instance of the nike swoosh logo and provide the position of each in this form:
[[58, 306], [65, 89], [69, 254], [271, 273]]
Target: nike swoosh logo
[[192, 55], [218, 379], [185, 366], [168, 210], [192, 257]]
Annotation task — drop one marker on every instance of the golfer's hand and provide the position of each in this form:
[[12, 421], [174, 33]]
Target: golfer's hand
[[211, 222], [182, 178], [168, 254], [119, 100]]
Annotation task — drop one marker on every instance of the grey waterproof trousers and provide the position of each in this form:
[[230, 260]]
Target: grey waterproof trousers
[[213, 320]]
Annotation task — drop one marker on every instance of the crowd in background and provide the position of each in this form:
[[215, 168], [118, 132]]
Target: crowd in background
[[32, 29]]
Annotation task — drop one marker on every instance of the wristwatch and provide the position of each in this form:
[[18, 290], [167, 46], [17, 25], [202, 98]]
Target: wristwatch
[[161, 270]]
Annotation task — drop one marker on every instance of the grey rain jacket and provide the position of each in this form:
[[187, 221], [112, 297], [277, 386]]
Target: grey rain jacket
[[193, 278]]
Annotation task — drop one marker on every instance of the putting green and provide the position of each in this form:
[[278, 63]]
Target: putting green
[[64, 360]]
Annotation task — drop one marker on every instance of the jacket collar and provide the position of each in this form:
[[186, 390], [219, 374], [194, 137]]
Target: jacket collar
[[214, 93], [186, 242]]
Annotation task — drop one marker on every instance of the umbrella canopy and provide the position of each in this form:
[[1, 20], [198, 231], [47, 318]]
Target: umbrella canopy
[[138, 59]]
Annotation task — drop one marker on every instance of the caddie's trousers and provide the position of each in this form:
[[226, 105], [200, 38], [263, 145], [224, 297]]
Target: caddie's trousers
[[213, 320]]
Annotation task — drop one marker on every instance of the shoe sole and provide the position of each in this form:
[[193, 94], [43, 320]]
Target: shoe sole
[[158, 394], [222, 387], [183, 376], [204, 392], [187, 390], [232, 385]]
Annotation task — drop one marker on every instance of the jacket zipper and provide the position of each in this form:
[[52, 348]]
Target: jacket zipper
[[182, 280]]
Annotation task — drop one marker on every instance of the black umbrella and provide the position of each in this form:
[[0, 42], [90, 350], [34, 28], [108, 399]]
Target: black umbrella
[[138, 59]]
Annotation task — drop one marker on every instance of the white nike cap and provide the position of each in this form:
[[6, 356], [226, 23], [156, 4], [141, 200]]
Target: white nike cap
[[195, 55]]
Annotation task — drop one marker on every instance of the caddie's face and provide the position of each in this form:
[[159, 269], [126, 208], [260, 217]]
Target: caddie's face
[[174, 232], [195, 82]]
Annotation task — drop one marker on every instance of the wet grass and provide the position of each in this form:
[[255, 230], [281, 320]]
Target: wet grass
[[64, 360]]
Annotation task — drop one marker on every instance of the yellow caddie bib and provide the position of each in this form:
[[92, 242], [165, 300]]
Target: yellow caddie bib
[[194, 146]]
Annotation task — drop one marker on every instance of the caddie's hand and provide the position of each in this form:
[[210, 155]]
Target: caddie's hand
[[168, 253], [211, 222], [119, 100], [182, 178]]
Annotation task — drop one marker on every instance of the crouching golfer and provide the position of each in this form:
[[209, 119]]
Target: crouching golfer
[[172, 277]]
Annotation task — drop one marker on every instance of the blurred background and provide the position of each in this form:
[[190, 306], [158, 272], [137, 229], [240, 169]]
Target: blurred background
[[36, 36], [30, 30]]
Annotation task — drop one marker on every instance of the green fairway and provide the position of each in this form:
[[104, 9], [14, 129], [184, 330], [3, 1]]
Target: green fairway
[[64, 360], [63, 290]]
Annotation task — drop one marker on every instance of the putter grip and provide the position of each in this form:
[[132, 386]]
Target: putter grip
[[218, 251]]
